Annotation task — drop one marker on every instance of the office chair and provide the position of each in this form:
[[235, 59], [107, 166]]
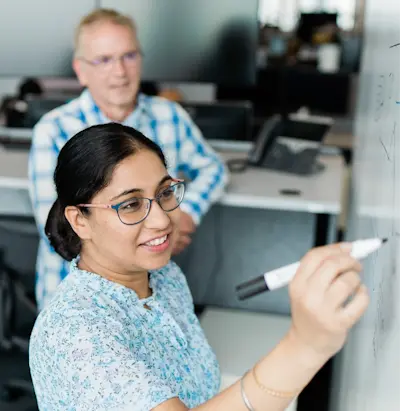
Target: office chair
[[13, 291]]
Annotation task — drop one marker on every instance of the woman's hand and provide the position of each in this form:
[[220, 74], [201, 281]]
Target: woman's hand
[[321, 313]]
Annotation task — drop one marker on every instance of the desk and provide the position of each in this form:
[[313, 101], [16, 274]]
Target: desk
[[15, 135], [14, 199], [341, 138], [260, 188]]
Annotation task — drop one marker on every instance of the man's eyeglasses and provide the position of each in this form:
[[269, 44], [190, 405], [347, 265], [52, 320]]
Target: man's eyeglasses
[[136, 209], [106, 62]]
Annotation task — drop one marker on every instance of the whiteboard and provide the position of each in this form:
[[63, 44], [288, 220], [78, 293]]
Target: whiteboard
[[367, 372]]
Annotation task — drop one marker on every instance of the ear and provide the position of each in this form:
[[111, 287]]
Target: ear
[[79, 71], [79, 223]]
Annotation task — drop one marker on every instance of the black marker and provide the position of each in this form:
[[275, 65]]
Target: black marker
[[282, 276]]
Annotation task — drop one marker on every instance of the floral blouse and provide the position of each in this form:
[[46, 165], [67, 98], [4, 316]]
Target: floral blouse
[[96, 347]]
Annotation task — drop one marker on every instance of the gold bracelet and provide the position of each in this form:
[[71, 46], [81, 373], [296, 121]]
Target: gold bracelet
[[273, 393]]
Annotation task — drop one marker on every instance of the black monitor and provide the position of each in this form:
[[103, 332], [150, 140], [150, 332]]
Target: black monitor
[[309, 22], [212, 41], [230, 121]]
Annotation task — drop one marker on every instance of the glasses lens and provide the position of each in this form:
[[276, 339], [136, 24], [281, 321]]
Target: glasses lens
[[133, 210], [170, 198]]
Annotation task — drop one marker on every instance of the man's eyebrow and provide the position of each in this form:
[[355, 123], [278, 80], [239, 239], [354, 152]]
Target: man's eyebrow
[[110, 56], [138, 190]]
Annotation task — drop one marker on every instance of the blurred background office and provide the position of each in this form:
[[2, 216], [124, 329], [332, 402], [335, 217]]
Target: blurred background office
[[261, 79]]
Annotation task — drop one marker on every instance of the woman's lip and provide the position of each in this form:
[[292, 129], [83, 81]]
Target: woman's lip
[[155, 238], [158, 248]]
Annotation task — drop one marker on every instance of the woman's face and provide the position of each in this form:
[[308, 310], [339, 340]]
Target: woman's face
[[143, 246]]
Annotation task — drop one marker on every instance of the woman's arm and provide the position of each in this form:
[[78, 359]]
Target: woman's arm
[[321, 319], [289, 366]]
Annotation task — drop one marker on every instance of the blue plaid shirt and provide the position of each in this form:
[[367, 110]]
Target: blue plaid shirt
[[165, 122]]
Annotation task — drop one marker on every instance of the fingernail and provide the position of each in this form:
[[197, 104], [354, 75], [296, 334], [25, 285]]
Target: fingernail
[[346, 246]]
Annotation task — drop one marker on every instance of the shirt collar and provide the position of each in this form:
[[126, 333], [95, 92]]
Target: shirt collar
[[95, 116], [115, 290]]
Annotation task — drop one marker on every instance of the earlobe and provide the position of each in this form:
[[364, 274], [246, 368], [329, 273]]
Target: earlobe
[[76, 65], [78, 221]]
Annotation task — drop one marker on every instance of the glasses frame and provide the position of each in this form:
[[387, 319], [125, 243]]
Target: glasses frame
[[105, 65], [116, 207]]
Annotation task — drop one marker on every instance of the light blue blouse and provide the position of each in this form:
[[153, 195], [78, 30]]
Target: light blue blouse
[[95, 346]]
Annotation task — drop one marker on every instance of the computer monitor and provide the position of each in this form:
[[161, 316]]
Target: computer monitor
[[229, 121], [309, 22], [211, 41]]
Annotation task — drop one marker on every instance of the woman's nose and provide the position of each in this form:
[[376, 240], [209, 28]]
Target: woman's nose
[[157, 217]]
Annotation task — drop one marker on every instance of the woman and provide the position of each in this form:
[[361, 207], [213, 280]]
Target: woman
[[121, 333]]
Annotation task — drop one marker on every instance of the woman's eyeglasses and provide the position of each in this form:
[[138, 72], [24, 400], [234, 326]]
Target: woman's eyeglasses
[[136, 209]]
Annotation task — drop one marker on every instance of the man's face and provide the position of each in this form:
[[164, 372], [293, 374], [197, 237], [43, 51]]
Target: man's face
[[108, 63]]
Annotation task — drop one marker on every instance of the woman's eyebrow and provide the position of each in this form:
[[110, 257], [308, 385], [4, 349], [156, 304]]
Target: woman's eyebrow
[[126, 192], [139, 190]]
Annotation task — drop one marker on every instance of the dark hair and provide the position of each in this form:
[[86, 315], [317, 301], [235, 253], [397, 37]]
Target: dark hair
[[84, 167]]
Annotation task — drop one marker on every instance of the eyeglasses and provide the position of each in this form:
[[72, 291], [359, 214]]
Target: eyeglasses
[[106, 62], [136, 209]]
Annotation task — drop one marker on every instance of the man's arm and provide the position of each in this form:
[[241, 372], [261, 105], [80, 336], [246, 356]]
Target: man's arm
[[202, 165], [42, 163]]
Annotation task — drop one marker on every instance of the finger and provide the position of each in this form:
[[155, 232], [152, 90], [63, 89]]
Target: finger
[[330, 270], [177, 249], [181, 244], [343, 288], [186, 231], [187, 227], [315, 257], [353, 311], [187, 224], [184, 240]]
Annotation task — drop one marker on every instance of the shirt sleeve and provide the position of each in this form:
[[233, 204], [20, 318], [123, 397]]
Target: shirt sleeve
[[41, 165], [205, 169], [103, 370]]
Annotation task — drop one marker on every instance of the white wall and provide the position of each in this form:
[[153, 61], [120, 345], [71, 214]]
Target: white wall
[[8, 85]]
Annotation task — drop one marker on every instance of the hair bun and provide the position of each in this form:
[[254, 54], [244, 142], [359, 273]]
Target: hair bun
[[60, 233]]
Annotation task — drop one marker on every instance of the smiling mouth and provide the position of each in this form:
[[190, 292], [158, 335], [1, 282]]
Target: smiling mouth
[[158, 245], [118, 86], [157, 241]]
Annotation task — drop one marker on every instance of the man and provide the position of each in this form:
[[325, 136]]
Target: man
[[107, 62]]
